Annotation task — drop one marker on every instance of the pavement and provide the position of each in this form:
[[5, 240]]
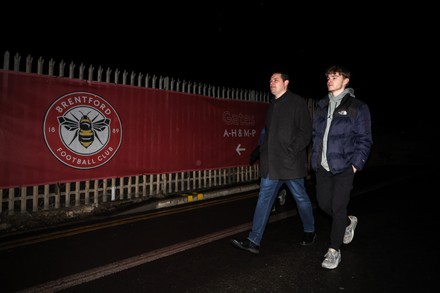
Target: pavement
[[186, 247]]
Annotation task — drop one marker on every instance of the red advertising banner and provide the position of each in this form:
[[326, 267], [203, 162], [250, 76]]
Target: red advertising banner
[[55, 129]]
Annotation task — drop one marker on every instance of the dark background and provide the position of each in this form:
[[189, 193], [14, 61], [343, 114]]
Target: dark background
[[391, 50]]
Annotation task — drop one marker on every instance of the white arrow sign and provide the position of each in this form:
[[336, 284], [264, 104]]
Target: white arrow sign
[[239, 149]]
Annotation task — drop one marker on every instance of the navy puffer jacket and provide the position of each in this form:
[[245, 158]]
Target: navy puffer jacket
[[349, 139]]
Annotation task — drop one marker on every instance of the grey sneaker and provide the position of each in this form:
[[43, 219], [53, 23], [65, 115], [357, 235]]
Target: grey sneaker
[[349, 231], [332, 259], [282, 197]]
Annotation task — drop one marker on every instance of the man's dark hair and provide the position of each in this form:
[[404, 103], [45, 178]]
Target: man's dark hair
[[338, 69], [284, 76]]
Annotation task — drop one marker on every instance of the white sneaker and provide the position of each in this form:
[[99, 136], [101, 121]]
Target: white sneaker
[[349, 231], [332, 259]]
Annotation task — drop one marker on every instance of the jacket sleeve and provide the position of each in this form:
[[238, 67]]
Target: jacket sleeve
[[363, 137]]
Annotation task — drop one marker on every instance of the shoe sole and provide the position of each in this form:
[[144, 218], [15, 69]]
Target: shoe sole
[[237, 244], [331, 268]]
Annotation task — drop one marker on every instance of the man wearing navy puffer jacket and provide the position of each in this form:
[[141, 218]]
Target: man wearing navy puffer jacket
[[341, 143]]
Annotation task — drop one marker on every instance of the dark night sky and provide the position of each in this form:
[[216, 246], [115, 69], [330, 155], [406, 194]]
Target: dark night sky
[[238, 44]]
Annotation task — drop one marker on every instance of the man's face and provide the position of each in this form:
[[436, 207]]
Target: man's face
[[277, 85], [336, 82]]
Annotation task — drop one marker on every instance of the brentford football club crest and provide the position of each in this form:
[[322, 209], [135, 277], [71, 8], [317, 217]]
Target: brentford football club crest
[[82, 130]]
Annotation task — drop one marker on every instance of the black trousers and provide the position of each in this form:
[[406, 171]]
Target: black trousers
[[333, 196]]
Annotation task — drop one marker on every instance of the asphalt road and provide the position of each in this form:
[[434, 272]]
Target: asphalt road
[[186, 248]]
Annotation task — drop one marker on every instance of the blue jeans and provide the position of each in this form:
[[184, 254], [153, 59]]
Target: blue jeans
[[266, 199]]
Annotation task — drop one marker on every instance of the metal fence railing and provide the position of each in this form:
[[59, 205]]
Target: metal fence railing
[[84, 72], [133, 188]]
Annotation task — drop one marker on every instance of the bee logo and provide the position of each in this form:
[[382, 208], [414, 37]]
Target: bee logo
[[86, 129], [82, 130]]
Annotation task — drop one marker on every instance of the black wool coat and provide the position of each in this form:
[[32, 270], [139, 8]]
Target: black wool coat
[[283, 153]]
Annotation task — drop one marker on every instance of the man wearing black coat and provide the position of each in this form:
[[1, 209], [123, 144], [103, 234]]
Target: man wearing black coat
[[283, 159]]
